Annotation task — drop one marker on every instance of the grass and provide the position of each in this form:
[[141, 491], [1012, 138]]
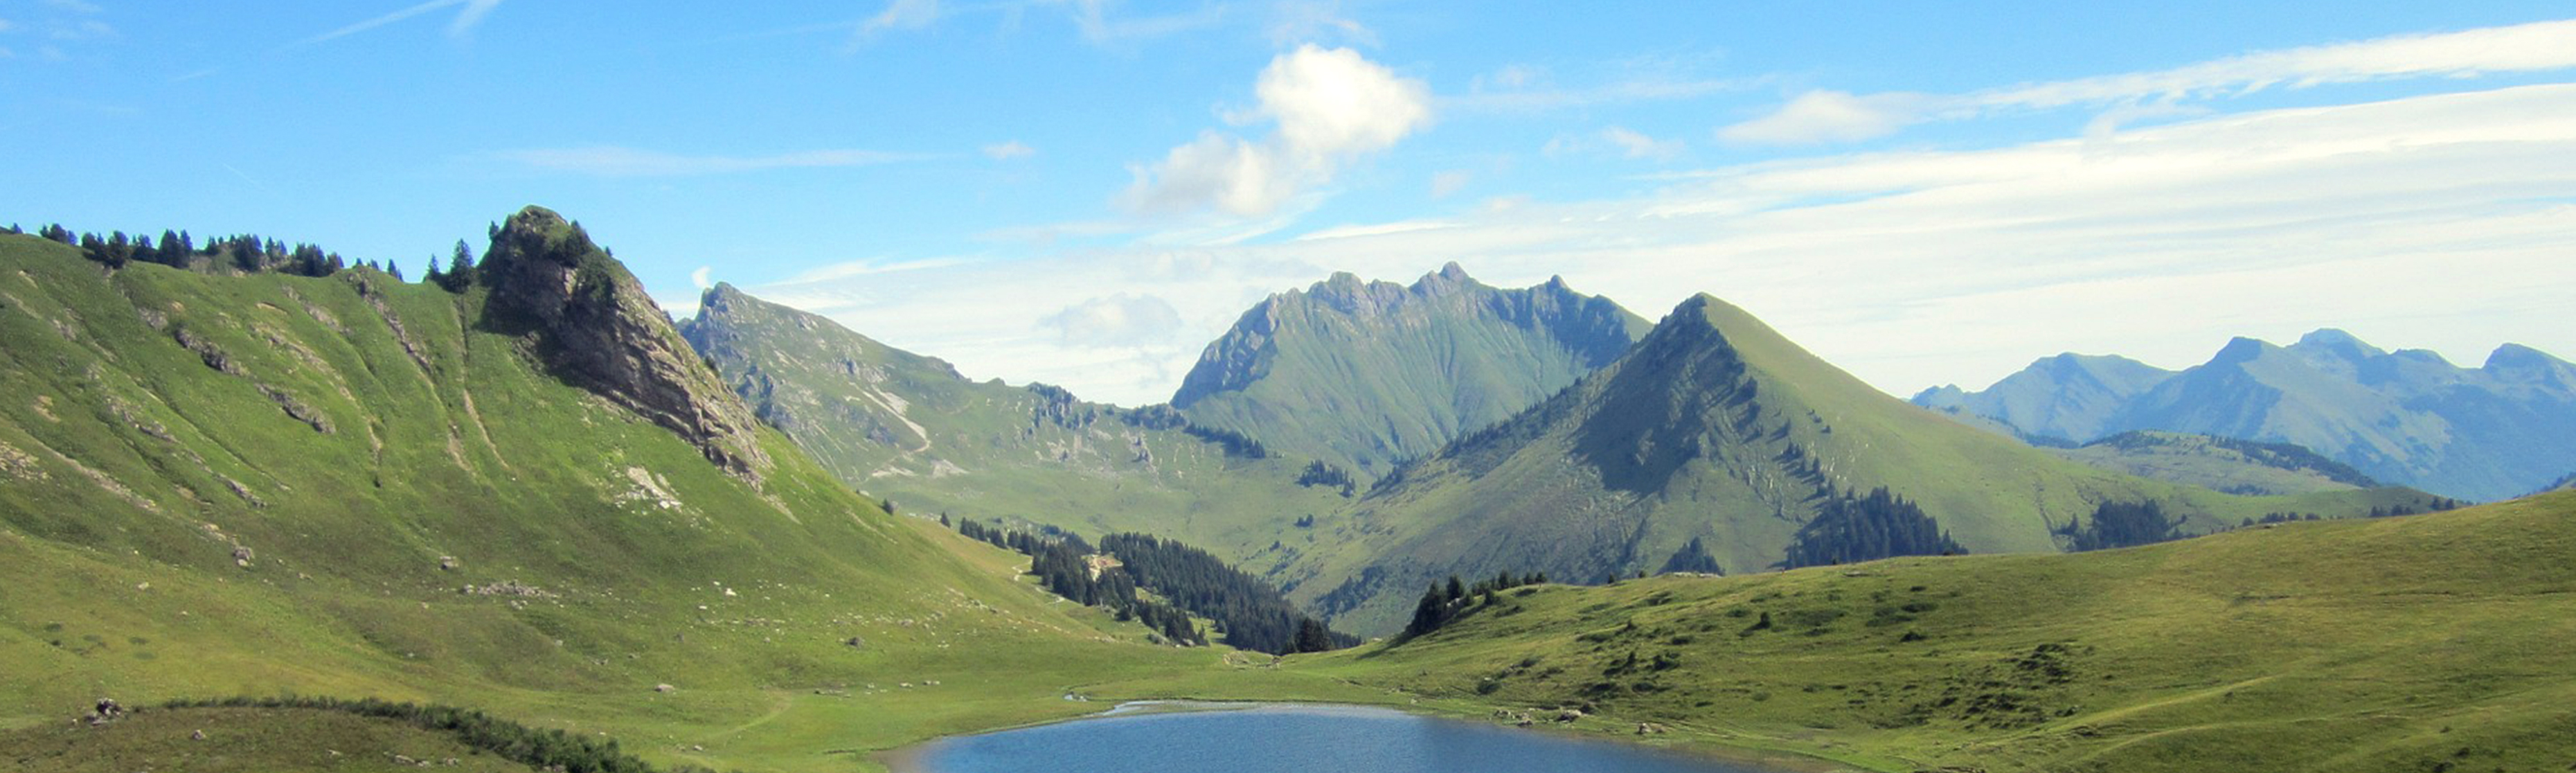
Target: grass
[[2422, 643], [135, 469]]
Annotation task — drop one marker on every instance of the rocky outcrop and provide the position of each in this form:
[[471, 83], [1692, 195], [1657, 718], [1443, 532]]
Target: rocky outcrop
[[592, 325]]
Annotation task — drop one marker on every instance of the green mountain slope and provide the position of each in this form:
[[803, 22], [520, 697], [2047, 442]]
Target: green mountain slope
[[528, 498], [1716, 428], [908, 428], [2223, 464], [1361, 375], [2423, 643]]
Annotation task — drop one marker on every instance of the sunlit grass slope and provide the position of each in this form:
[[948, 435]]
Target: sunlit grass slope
[[2434, 642], [255, 485]]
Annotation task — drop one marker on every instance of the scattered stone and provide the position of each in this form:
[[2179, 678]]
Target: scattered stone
[[855, 643], [1649, 728], [107, 710], [241, 555], [1568, 715], [509, 588], [447, 563], [143, 586], [664, 688], [198, 735]]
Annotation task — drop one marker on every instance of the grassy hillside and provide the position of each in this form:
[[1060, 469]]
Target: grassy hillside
[[221, 485], [2423, 643], [905, 427], [2221, 464], [1714, 427], [1363, 374]]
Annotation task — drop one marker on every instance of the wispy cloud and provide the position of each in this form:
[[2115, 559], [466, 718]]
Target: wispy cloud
[[469, 13], [898, 15], [2441, 221], [1005, 151], [1294, 22], [1099, 24], [1834, 116], [615, 161]]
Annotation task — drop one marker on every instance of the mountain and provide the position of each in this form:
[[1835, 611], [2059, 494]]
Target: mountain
[[2407, 417], [2222, 464], [2069, 396], [1363, 374], [527, 497], [910, 429], [2433, 642], [1715, 428]]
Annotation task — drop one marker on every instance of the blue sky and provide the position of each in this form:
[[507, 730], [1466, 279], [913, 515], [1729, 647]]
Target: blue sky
[[1085, 193]]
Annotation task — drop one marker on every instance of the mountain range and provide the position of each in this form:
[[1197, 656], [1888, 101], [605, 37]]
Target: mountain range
[[1362, 375], [2406, 417], [910, 430], [522, 488], [1717, 443]]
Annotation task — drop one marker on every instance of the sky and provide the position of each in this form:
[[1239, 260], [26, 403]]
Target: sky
[[1086, 192]]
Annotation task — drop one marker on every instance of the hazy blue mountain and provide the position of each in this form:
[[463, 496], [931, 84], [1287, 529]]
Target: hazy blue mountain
[[2069, 396], [2407, 417], [1362, 374]]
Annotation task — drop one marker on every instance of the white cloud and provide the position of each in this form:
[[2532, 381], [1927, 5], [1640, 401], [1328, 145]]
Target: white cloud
[[1006, 151], [469, 14], [1832, 116], [613, 161], [699, 277], [7, 26], [1120, 320], [74, 6], [1330, 106], [2440, 222]]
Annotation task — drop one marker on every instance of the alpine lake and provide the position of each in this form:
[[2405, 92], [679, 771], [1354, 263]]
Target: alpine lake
[[1289, 738]]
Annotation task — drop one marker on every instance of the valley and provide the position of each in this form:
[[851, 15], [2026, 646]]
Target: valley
[[733, 541]]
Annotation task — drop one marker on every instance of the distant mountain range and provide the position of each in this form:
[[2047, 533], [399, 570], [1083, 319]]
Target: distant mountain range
[[1364, 374], [2406, 417]]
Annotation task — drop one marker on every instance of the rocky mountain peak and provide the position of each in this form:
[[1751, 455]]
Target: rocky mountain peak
[[591, 324]]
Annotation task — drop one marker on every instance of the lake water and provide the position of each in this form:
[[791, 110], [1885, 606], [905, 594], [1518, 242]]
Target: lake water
[[1295, 738]]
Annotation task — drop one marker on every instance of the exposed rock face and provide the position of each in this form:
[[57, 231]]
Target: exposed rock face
[[594, 327]]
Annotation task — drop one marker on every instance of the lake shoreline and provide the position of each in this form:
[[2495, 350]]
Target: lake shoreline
[[914, 758]]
